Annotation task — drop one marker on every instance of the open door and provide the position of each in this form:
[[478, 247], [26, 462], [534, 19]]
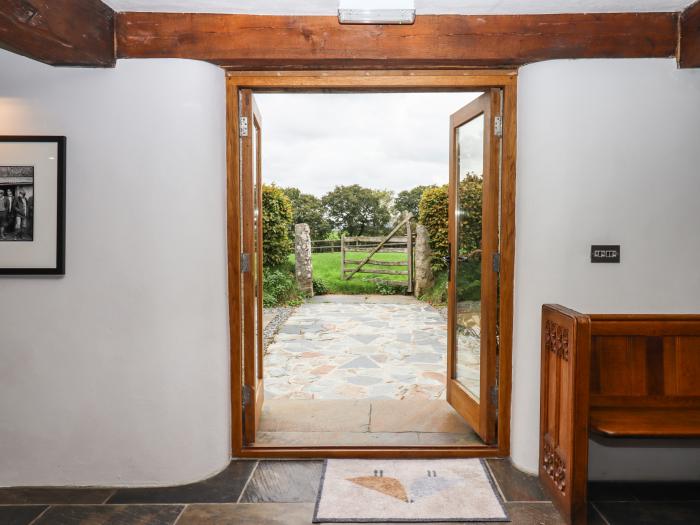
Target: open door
[[475, 146], [250, 128]]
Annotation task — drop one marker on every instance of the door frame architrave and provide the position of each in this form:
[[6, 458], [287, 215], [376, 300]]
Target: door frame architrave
[[374, 81]]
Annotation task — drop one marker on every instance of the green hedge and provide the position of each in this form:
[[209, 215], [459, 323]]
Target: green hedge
[[433, 213], [277, 221]]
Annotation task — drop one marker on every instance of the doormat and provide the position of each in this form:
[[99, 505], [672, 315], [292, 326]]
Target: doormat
[[407, 490]]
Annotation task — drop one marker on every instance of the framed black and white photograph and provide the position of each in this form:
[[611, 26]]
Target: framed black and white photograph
[[32, 205]]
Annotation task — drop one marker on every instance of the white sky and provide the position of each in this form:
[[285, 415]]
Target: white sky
[[389, 141]]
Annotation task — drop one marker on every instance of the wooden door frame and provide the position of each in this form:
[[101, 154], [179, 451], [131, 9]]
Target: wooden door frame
[[377, 81]]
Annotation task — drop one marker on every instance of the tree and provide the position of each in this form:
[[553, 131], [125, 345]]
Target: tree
[[358, 211], [308, 209], [277, 217], [407, 200]]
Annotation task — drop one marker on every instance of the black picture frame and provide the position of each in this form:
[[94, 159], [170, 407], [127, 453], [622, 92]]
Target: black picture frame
[[60, 266]]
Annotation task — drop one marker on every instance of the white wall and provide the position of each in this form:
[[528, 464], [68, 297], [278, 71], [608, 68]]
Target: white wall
[[608, 153], [118, 372]]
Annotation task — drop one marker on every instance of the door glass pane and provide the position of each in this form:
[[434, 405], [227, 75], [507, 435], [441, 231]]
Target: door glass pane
[[470, 168]]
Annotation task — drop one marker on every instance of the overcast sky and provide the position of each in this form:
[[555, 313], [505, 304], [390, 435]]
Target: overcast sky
[[389, 141]]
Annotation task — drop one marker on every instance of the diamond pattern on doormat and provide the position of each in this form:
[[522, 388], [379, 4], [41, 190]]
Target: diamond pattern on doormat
[[407, 490]]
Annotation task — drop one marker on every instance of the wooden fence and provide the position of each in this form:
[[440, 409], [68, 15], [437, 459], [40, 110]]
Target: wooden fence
[[325, 246], [390, 243]]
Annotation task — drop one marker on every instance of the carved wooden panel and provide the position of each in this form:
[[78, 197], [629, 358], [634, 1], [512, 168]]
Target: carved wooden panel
[[556, 339], [564, 409]]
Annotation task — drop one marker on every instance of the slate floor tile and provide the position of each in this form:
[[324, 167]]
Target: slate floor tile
[[284, 482], [110, 515], [20, 515], [52, 496], [610, 491], [302, 514], [248, 514], [224, 487], [515, 484], [650, 512], [594, 516], [540, 513], [666, 491]]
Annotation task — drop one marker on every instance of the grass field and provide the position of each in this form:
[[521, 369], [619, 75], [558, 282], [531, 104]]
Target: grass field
[[326, 267]]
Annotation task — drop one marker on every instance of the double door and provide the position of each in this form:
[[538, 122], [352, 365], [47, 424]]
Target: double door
[[472, 262]]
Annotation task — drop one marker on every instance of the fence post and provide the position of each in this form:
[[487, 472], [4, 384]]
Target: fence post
[[409, 256], [342, 257]]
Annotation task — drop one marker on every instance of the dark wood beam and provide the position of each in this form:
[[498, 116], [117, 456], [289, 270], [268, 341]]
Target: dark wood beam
[[689, 37], [261, 42], [59, 32]]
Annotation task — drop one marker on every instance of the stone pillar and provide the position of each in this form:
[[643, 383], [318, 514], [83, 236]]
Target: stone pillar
[[302, 256], [423, 255]]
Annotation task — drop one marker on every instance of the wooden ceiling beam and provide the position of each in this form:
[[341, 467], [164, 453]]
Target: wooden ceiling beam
[[320, 42], [689, 37], [59, 32]]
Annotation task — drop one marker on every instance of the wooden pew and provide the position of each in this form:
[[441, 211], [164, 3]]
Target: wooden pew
[[620, 376]]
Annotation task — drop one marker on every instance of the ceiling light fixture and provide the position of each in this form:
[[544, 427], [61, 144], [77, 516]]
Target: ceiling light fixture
[[376, 11]]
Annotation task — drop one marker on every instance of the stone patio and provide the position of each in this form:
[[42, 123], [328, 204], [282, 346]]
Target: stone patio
[[364, 347]]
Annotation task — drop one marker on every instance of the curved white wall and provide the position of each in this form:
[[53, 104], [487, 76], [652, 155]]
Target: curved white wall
[[608, 153], [118, 372]]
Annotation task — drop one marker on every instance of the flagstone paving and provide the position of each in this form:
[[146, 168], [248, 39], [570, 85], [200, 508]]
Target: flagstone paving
[[340, 347]]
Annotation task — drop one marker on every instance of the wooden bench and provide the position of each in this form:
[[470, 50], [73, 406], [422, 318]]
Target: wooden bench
[[619, 376]]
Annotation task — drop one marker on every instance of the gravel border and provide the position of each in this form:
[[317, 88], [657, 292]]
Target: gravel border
[[281, 314]]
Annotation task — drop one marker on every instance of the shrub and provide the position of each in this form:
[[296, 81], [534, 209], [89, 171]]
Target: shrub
[[468, 285], [390, 289], [433, 213], [280, 287], [433, 210], [277, 219], [320, 287]]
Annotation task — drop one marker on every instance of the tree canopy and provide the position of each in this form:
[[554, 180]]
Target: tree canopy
[[407, 200], [355, 210], [310, 210]]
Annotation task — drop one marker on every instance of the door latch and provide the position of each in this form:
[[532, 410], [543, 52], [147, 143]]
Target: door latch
[[245, 262], [243, 127]]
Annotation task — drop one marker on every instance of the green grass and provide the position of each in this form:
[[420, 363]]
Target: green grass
[[326, 267]]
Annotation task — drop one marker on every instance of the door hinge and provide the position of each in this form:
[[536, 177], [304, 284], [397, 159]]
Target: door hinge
[[243, 127], [245, 262], [246, 395], [496, 262], [498, 126], [494, 396]]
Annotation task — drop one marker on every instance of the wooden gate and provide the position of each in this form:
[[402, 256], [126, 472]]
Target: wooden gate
[[390, 243]]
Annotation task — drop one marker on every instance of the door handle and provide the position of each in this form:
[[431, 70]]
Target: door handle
[[448, 261]]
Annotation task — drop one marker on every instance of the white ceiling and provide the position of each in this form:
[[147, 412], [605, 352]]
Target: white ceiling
[[330, 7]]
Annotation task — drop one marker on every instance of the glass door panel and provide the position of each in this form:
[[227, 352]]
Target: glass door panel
[[470, 170], [473, 290]]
